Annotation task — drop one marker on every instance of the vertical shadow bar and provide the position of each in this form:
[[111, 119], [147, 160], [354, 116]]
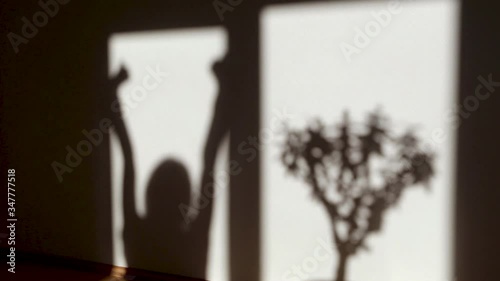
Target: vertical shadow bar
[[244, 205], [102, 160], [477, 227]]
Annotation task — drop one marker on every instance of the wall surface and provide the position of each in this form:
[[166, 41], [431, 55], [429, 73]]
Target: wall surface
[[51, 90]]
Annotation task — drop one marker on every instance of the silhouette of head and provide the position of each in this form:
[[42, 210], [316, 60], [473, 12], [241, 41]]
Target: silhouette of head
[[168, 187]]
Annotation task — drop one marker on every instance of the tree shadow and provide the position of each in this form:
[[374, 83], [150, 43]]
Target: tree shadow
[[335, 162]]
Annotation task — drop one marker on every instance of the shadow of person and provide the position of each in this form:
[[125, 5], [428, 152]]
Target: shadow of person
[[158, 241], [162, 241]]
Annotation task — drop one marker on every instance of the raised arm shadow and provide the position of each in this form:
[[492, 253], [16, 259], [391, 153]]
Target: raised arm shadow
[[159, 241]]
